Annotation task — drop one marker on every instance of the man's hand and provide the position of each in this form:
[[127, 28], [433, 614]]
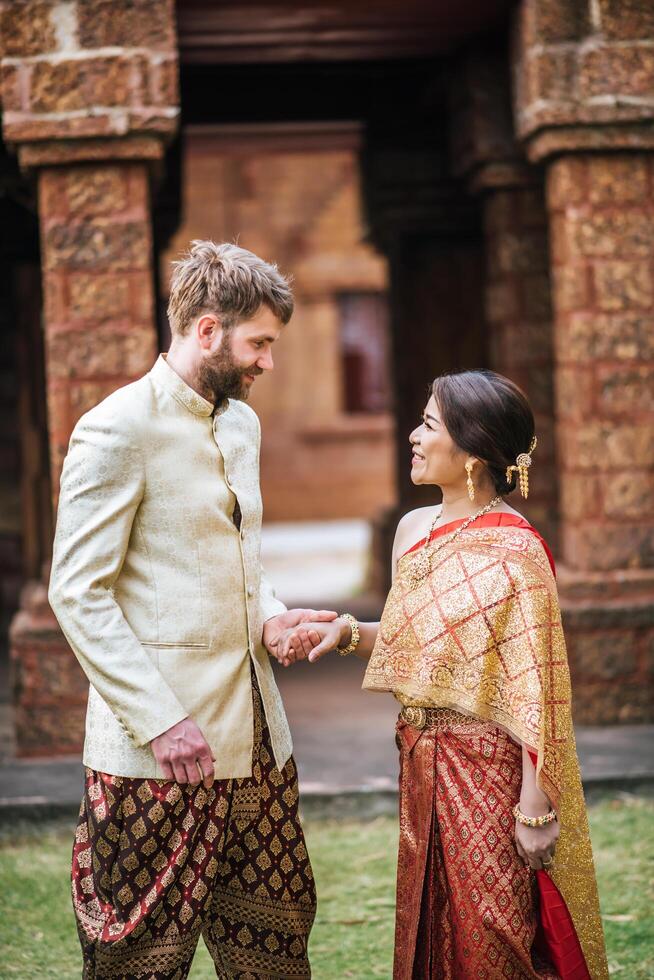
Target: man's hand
[[274, 627], [183, 754]]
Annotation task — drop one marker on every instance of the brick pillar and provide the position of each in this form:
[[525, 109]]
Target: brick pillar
[[602, 213], [583, 108], [98, 287], [89, 95]]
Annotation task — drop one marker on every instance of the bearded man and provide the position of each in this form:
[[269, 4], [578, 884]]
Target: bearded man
[[189, 821]]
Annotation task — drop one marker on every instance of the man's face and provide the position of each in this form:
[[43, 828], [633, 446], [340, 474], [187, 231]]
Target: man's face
[[241, 354]]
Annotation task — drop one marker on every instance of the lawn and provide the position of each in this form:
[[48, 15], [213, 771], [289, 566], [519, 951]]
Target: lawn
[[354, 864]]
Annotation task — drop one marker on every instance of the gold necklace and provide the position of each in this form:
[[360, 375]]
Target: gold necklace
[[421, 566]]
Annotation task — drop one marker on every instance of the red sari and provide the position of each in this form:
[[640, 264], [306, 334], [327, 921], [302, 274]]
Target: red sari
[[467, 907]]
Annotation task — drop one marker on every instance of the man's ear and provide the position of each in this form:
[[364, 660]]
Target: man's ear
[[207, 327]]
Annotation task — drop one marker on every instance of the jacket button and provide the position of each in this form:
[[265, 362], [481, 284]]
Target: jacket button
[[250, 591]]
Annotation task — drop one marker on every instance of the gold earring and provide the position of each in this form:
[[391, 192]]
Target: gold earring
[[471, 486]]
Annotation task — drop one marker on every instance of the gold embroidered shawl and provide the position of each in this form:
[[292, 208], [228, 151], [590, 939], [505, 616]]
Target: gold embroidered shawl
[[481, 633]]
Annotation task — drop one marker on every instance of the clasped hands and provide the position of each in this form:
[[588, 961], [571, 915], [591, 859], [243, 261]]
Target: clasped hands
[[309, 637]]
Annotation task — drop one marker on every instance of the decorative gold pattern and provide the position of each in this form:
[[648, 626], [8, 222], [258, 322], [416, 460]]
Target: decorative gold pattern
[[465, 900], [469, 482], [533, 822], [521, 467], [421, 565], [415, 716], [355, 636], [482, 635]]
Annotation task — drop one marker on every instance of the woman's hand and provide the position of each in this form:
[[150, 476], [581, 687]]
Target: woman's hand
[[309, 641], [536, 845]]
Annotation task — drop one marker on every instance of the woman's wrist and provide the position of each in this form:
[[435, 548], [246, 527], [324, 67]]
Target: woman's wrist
[[534, 822], [345, 631], [350, 641], [533, 806]]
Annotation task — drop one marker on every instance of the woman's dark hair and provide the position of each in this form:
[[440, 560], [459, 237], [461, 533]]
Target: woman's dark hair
[[488, 417]]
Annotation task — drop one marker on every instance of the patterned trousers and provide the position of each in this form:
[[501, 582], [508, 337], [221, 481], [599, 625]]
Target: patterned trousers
[[156, 864]]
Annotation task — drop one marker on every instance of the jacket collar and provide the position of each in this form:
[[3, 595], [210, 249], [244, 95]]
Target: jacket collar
[[164, 375]]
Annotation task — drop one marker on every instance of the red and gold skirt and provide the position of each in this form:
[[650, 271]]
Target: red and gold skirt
[[467, 907]]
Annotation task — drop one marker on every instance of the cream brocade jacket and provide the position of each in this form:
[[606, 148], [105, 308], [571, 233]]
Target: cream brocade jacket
[[161, 597]]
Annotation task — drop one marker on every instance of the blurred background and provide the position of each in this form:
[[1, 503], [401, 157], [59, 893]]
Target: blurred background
[[450, 185]]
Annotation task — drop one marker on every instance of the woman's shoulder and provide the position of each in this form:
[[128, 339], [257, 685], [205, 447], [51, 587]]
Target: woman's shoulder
[[521, 536], [414, 526], [505, 508], [418, 517]]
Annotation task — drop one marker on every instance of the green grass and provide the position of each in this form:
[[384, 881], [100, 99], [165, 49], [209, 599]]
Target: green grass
[[622, 830], [354, 864]]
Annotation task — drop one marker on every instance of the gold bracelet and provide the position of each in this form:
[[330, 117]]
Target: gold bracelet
[[533, 821], [355, 637]]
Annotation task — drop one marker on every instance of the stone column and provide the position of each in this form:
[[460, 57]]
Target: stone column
[[98, 286], [585, 110], [90, 99], [518, 310]]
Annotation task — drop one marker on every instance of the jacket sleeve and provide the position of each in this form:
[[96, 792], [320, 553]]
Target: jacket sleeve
[[102, 484], [270, 604]]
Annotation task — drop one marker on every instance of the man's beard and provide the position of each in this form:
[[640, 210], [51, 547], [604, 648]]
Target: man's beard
[[221, 376]]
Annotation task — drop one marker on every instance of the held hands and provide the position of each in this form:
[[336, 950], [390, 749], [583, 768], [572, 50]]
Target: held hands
[[183, 754], [279, 626], [310, 641]]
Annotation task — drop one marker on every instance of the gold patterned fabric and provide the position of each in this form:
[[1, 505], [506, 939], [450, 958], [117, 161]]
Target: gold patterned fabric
[[156, 865], [466, 904], [481, 634]]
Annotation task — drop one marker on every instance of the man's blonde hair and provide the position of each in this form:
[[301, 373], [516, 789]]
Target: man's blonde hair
[[228, 281]]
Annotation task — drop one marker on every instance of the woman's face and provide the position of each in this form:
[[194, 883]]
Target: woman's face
[[436, 458]]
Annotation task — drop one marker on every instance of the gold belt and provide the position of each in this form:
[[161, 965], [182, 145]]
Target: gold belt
[[440, 718]]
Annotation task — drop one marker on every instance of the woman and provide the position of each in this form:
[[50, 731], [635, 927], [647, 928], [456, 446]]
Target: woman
[[470, 643]]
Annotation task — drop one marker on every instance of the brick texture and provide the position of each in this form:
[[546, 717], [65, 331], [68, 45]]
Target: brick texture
[[584, 65], [603, 261], [602, 255], [98, 287], [48, 687], [92, 70]]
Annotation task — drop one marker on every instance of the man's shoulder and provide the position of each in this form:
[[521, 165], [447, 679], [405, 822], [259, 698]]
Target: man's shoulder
[[244, 415], [124, 410]]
